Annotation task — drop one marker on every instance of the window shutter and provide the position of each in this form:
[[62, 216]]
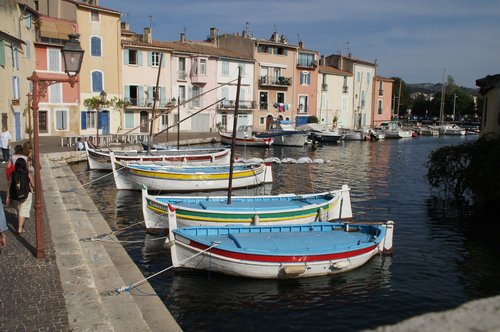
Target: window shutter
[[151, 96], [14, 87], [126, 91], [59, 125], [141, 95], [126, 56], [96, 81], [139, 57], [150, 63], [163, 100], [2, 53], [84, 119]]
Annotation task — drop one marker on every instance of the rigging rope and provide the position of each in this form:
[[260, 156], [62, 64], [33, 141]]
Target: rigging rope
[[134, 285]]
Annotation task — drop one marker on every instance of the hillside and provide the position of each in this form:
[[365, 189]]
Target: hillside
[[431, 88]]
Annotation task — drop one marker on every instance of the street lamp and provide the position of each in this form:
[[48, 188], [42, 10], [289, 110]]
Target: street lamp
[[103, 95], [72, 55]]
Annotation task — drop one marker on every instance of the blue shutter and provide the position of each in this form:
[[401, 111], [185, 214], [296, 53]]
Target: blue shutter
[[96, 81], [84, 119], [150, 62], [14, 87], [139, 57], [125, 56], [95, 46]]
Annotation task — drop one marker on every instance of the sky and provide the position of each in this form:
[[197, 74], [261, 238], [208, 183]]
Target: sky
[[415, 40]]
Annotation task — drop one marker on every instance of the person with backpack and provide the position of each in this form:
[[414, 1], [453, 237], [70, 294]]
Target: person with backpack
[[20, 187]]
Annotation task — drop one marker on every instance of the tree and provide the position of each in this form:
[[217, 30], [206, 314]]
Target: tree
[[404, 98]]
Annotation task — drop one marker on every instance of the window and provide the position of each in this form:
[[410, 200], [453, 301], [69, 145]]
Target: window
[[15, 88], [97, 84], [182, 69], [203, 67], [55, 93], [54, 60], [305, 60], [305, 78], [196, 101], [358, 77], [132, 57], [280, 96], [380, 106], [243, 70], [27, 20], [155, 59], [91, 119], [129, 119], [345, 102], [182, 93], [225, 68], [263, 100], [94, 16], [368, 76], [95, 46], [61, 119], [262, 120]]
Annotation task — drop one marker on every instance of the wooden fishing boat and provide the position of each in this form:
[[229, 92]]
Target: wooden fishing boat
[[246, 210], [245, 137], [281, 251], [99, 159], [184, 177]]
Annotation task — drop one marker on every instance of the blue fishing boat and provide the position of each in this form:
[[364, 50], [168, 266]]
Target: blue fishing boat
[[246, 210], [273, 252]]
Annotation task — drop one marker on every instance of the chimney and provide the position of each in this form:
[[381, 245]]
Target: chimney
[[214, 36], [301, 45], [124, 26], [274, 36], [147, 36], [183, 37]]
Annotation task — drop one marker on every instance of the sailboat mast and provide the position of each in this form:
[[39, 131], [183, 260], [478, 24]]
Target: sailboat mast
[[156, 94], [441, 108], [233, 141]]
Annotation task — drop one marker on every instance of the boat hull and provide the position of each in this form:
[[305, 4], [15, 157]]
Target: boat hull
[[101, 160], [188, 178], [243, 210], [253, 141], [275, 252]]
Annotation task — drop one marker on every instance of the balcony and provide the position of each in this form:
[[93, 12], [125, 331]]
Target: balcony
[[324, 87], [345, 89], [201, 79], [311, 64], [231, 104], [280, 81], [380, 92]]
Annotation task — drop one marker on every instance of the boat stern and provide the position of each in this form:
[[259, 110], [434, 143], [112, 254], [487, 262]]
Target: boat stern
[[386, 245]]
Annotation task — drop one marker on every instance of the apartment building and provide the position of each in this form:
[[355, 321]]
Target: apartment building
[[306, 84], [274, 71], [17, 62], [382, 106], [334, 99]]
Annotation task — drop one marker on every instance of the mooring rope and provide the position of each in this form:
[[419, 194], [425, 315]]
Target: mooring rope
[[102, 177], [100, 237], [134, 285]]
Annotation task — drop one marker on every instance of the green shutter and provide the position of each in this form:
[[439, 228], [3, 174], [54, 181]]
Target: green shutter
[[2, 53], [125, 56], [150, 61], [139, 57]]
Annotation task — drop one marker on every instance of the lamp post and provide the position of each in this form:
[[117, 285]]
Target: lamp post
[[103, 95], [72, 55]]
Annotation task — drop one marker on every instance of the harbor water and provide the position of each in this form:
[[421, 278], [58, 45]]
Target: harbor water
[[439, 261]]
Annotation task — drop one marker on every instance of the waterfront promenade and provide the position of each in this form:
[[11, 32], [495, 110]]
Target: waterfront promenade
[[72, 288]]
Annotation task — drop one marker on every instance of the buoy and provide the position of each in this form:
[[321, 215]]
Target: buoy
[[294, 269], [341, 264]]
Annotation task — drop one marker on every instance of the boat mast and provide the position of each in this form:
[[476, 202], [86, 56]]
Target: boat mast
[[233, 141], [156, 95], [441, 108]]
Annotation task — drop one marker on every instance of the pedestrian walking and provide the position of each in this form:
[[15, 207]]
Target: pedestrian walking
[[5, 143], [20, 187]]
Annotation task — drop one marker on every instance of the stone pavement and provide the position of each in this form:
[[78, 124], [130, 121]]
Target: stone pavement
[[67, 290]]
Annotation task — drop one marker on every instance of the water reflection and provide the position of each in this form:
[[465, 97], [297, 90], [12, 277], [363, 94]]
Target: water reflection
[[388, 182]]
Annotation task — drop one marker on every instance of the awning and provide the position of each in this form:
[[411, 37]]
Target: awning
[[59, 30]]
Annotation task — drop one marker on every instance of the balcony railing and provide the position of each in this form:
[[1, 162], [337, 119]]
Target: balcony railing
[[345, 89], [380, 92], [305, 64], [231, 104], [275, 80], [181, 75]]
